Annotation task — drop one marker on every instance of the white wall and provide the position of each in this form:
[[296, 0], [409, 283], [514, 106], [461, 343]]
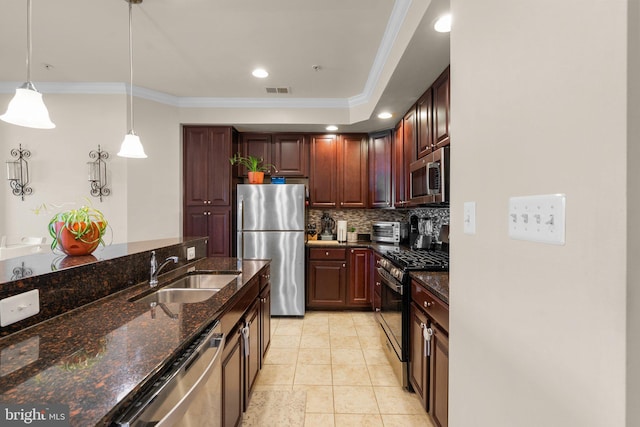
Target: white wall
[[145, 198], [633, 194], [538, 106]]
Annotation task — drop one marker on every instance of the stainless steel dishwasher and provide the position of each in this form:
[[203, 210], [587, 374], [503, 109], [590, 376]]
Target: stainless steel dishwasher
[[189, 391]]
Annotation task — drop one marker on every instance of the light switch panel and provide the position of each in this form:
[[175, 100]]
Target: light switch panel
[[191, 253], [538, 218], [469, 218]]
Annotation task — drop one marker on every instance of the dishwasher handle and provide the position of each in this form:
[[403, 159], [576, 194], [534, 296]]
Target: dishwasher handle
[[169, 397]]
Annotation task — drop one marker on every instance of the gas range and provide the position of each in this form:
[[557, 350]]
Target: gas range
[[420, 260]]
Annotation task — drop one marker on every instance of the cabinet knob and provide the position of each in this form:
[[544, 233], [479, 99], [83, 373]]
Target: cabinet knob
[[327, 253], [377, 309], [377, 283], [351, 250], [428, 304], [344, 265]]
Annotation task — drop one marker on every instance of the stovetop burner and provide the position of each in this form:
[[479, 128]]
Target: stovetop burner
[[421, 260]]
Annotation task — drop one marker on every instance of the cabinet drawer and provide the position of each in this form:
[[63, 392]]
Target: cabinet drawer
[[430, 304], [328, 253]]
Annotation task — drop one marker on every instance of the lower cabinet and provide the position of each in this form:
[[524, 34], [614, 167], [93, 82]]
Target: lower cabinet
[[247, 326], [232, 380], [327, 278], [429, 352], [339, 278], [265, 322]]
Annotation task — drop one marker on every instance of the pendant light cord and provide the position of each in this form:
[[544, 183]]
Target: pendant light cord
[[130, 67], [29, 42]]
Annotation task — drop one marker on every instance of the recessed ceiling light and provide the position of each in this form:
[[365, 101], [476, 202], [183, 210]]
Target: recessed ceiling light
[[332, 127], [443, 24], [385, 115], [260, 73]]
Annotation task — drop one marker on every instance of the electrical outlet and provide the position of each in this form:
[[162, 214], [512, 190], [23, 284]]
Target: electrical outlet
[[18, 307], [191, 253], [538, 218], [469, 217]]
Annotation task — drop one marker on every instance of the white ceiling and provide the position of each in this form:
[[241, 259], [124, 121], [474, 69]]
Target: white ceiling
[[207, 49]]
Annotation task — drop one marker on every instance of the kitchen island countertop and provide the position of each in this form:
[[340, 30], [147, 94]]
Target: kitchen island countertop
[[94, 358]]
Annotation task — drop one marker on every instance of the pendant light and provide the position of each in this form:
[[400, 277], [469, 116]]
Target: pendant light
[[27, 107], [131, 146]]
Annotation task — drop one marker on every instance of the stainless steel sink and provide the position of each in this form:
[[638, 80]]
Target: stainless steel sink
[[203, 281], [182, 296]]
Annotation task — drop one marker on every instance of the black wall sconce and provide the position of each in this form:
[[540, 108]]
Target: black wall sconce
[[18, 172], [98, 173]]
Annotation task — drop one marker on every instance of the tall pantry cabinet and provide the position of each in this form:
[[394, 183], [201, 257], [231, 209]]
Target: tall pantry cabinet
[[209, 201]]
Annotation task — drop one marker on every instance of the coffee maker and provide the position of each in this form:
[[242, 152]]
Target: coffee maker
[[327, 227]]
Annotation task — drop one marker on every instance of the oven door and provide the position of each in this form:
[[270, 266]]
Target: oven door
[[391, 311]]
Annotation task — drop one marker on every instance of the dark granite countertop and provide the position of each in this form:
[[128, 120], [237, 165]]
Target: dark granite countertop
[[435, 281], [95, 357]]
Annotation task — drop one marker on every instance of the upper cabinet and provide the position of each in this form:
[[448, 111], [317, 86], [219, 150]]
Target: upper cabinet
[[207, 171], [432, 117], [338, 172], [288, 153], [424, 118], [441, 110], [380, 155]]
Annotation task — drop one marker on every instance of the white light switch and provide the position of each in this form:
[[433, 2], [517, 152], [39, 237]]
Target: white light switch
[[469, 217], [191, 253], [538, 218], [19, 307]]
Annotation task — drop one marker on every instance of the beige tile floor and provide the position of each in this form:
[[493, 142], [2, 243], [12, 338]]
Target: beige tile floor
[[337, 359]]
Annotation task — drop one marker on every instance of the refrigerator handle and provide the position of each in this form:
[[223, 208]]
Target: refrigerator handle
[[240, 235]]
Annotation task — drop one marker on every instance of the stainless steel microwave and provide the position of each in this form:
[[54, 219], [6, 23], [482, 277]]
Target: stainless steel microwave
[[429, 181]]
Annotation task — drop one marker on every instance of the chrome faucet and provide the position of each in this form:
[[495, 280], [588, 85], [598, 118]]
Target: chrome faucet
[[155, 270]]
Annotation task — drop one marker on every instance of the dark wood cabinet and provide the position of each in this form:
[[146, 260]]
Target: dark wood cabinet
[[247, 326], [287, 153], [265, 321], [380, 156], [323, 174], [327, 278], [400, 167], [232, 380], [429, 352], [359, 289], [352, 171], [214, 223], [424, 123], [439, 381], [256, 145], [208, 186], [252, 349], [418, 366], [290, 155], [339, 171], [441, 109]]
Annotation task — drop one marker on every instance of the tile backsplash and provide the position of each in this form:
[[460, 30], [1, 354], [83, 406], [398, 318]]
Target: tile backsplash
[[362, 219]]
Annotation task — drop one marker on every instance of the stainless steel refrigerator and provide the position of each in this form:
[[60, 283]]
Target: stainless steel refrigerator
[[271, 226]]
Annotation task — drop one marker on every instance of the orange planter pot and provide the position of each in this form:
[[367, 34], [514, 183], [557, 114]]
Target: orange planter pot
[[82, 246], [256, 177]]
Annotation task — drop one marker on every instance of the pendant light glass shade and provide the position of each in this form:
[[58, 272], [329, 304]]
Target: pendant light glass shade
[[27, 107], [132, 147]]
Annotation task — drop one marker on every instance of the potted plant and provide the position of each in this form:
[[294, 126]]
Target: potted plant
[[255, 168], [352, 236], [77, 231]]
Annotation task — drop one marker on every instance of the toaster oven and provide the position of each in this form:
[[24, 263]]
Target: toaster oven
[[390, 232]]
